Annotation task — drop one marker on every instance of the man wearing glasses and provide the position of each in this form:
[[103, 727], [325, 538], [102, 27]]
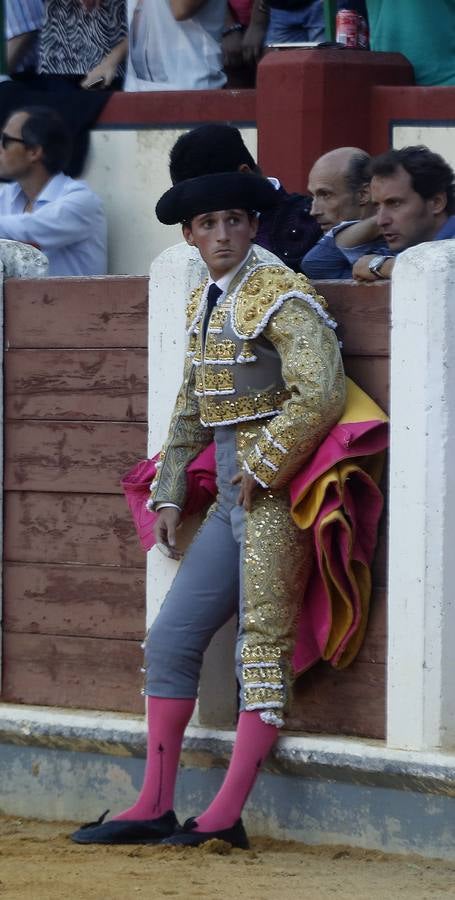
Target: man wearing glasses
[[41, 205]]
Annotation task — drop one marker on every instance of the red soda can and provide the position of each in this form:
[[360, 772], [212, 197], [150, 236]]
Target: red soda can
[[363, 36], [347, 26]]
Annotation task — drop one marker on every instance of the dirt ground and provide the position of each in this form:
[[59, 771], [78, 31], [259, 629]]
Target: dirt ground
[[39, 862]]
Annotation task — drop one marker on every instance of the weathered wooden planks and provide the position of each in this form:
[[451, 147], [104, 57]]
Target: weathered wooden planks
[[92, 601], [71, 456], [362, 312], [348, 702], [54, 670], [86, 529], [371, 373], [76, 312], [76, 384]]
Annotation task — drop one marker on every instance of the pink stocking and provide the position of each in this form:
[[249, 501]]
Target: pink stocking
[[253, 742], [166, 722]]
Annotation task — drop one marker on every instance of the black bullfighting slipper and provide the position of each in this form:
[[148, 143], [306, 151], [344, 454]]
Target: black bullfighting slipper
[[127, 831], [185, 836]]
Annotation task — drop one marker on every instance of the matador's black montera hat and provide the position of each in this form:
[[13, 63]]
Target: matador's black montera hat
[[209, 193]]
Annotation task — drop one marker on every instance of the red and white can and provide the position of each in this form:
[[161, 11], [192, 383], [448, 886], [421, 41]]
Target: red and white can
[[347, 28]]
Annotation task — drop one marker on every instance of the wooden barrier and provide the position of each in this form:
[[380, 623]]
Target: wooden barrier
[[75, 406], [75, 401]]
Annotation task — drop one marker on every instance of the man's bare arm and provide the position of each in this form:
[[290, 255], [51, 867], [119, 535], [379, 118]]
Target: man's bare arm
[[17, 47], [184, 9], [361, 272], [254, 36], [360, 233]]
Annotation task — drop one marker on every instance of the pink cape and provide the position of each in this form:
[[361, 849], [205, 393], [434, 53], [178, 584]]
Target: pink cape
[[136, 487], [336, 495]]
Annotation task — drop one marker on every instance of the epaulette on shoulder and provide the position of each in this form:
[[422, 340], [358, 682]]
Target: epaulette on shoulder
[[193, 305], [263, 291]]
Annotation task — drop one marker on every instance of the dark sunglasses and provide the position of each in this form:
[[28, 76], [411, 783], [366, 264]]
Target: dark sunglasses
[[6, 140]]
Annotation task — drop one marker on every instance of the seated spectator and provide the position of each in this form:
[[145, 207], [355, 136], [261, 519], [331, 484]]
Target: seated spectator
[[42, 206], [339, 186], [423, 32], [300, 21], [24, 19], [413, 190], [289, 230], [176, 45], [83, 44]]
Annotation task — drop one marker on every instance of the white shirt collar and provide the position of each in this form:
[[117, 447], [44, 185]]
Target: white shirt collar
[[225, 280], [50, 191]]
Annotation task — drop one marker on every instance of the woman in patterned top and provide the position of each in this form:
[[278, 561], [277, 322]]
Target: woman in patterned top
[[84, 42]]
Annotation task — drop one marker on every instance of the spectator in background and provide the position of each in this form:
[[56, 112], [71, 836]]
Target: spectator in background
[[339, 184], [24, 19], [297, 21], [83, 44], [288, 230], [244, 33], [413, 190], [424, 32], [44, 207], [176, 45]]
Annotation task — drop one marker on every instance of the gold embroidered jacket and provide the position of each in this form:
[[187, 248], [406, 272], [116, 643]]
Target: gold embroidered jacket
[[270, 353]]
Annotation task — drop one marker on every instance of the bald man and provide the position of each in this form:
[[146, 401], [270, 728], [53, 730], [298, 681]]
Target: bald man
[[339, 184]]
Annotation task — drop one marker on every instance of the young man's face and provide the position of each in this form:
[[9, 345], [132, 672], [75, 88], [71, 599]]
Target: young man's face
[[223, 238], [406, 218]]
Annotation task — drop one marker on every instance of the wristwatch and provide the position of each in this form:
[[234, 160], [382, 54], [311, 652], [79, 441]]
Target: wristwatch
[[375, 265]]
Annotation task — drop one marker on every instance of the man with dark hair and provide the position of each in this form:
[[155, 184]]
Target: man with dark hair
[[263, 378], [414, 194], [339, 184], [207, 150], [44, 207], [288, 231]]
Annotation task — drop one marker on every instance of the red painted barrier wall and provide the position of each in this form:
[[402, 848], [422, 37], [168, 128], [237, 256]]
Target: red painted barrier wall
[[311, 100], [179, 108], [412, 104], [307, 101]]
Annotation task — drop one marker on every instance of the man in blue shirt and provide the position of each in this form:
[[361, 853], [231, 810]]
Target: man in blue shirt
[[413, 190], [41, 205], [339, 184]]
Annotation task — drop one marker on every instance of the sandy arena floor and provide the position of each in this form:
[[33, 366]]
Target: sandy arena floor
[[39, 862]]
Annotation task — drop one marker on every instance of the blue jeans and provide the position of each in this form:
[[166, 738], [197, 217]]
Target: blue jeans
[[308, 24], [293, 26]]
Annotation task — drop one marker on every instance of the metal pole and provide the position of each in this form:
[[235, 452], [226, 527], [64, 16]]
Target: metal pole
[[330, 11]]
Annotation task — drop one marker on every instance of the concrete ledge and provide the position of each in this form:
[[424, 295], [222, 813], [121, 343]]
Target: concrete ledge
[[78, 730], [344, 759], [71, 765]]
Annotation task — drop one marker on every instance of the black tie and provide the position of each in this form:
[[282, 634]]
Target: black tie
[[212, 296]]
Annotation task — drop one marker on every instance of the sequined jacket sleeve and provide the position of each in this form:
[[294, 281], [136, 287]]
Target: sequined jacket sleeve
[[186, 438], [313, 373]]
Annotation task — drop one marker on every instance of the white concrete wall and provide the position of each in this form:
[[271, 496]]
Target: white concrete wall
[[421, 663], [128, 168], [439, 138]]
